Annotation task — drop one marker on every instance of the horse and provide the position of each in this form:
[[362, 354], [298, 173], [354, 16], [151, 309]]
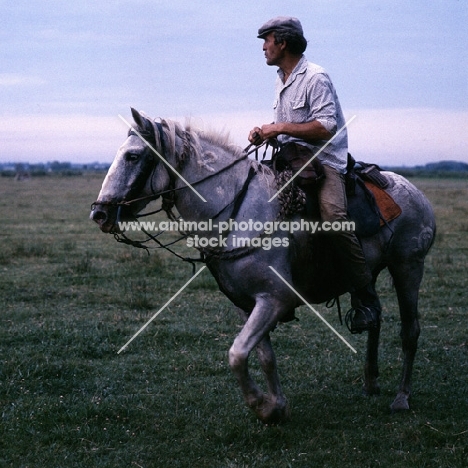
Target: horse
[[272, 272]]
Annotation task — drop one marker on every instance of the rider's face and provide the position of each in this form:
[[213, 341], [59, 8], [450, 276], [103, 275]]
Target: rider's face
[[274, 52]]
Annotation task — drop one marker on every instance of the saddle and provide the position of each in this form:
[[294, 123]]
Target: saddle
[[370, 206], [294, 156]]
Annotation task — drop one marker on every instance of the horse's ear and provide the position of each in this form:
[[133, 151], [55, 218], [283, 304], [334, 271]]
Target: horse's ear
[[137, 118], [141, 120]]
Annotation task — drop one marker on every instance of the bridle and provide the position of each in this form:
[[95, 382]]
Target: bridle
[[148, 138], [168, 196]]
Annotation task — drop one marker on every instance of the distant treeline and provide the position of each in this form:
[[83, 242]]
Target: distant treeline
[[23, 171], [442, 169]]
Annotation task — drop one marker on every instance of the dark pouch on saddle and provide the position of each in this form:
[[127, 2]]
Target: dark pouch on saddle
[[372, 173], [363, 210], [369, 172], [295, 156]]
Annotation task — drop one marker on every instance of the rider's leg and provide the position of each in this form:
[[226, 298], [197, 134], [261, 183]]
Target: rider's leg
[[333, 207]]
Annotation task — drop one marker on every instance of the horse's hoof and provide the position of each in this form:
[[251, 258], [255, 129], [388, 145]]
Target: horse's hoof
[[371, 390], [273, 411], [400, 403]]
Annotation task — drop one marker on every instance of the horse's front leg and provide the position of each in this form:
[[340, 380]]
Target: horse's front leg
[[371, 366], [271, 408], [274, 407]]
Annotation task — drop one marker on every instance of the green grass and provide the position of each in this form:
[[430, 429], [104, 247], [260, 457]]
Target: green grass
[[71, 297]]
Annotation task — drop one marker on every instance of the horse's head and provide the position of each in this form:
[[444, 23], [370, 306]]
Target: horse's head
[[132, 180]]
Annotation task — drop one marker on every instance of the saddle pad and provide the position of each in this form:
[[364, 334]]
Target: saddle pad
[[389, 209]]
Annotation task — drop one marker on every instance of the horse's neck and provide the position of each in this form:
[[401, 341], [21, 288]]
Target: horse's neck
[[220, 186]]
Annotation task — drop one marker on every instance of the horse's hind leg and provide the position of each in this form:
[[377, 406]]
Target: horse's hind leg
[[407, 279]]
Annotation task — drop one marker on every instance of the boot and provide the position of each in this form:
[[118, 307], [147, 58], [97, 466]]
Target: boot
[[366, 315]]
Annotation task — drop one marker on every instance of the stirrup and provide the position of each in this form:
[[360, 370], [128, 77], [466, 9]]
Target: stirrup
[[369, 323]]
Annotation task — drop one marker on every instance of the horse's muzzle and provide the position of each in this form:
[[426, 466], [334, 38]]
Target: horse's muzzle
[[106, 217]]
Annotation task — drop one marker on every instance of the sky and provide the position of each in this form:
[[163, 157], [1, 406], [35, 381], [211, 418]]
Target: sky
[[68, 69]]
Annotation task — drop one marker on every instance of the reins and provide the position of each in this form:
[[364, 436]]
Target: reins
[[123, 239], [237, 202]]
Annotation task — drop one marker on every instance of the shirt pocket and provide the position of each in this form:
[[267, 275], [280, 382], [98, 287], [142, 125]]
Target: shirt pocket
[[299, 110], [298, 104]]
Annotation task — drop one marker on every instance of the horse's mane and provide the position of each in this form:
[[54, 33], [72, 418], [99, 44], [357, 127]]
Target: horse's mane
[[190, 138], [223, 140], [217, 138]]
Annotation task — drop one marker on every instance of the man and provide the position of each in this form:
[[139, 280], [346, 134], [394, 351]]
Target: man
[[308, 114]]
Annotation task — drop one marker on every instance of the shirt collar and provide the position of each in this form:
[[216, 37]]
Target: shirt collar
[[298, 69]]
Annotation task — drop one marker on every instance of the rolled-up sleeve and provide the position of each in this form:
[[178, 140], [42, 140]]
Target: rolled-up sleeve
[[322, 105]]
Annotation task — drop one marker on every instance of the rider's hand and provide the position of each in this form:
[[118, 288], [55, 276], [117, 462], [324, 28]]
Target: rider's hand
[[255, 136], [270, 131]]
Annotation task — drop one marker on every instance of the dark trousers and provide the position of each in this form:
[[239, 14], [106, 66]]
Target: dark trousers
[[332, 203]]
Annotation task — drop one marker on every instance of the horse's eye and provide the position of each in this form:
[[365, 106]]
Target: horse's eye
[[132, 157]]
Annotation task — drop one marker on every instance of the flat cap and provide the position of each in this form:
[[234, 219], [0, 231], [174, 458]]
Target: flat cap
[[281, 23]]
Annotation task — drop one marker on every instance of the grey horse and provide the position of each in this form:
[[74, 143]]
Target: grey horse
[[270, 273]]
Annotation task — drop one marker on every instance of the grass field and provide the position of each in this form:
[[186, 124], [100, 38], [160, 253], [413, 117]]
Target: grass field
[[71, 297]]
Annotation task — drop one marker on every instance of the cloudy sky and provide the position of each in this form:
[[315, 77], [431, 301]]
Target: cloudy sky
[[69, 68]]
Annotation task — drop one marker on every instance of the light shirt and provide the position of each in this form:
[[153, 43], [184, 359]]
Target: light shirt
[[309, 95]]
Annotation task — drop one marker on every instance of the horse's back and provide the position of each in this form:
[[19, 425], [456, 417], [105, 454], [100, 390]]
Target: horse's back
[[406, 194], [413, 232]]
